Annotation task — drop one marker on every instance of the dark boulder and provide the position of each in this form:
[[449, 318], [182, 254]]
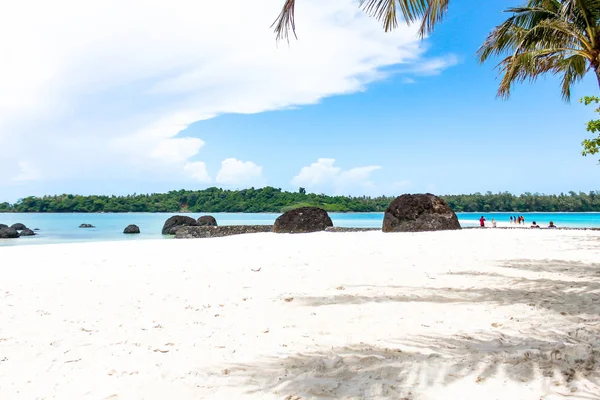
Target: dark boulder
[[18, 226], [175, 222], [27, 232], [86, 226], [418, 213], [302, 220], [2, 226], [8, 233], [131, 229], [206, 220]]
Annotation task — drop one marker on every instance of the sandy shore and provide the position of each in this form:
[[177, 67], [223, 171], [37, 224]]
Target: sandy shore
[[472, 314]]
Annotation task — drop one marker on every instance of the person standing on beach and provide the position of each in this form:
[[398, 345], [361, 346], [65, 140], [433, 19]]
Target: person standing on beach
[[482, 222], [511, 219], [493, 222]]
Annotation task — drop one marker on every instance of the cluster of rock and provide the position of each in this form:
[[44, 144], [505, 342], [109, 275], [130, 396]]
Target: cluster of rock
[[406, 213], [345, 229], [196, 232], [14, 231], [179, 221]]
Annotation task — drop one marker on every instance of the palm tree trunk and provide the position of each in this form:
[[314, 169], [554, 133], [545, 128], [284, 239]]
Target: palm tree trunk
[[597, 71]]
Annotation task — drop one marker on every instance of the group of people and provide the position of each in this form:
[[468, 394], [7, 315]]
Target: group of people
[[550, 225], [516, 220]]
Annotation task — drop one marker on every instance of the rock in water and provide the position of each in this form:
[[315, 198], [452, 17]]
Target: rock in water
[[27, 232], [172, 224], [18, 226], [206, 220], [131, 229], [8, 233], [302, 220], [86, 226], [2, 226], [418, 213]]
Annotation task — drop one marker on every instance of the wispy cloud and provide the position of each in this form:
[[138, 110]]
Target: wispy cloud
[[105, 89]]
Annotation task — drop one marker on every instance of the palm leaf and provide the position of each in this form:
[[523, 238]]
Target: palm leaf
[[429, 12]]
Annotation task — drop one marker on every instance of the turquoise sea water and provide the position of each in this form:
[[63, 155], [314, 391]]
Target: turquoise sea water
[[64, 228]]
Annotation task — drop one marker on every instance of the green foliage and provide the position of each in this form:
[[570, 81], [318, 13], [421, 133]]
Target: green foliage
[[558, 37], [275, 200], [591, 146]]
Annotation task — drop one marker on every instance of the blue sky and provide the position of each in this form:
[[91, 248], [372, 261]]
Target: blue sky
[[417, 116]]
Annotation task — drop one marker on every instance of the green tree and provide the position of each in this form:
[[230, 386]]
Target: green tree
[[591, 146], [560, 37]]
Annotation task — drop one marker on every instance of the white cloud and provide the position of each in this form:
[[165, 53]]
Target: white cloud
[[96, 89], [317, 173], [27, 172], [197, 170], [323, 175], [236, 172]]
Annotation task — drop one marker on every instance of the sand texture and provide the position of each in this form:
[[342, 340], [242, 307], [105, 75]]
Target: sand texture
[[472, 314]]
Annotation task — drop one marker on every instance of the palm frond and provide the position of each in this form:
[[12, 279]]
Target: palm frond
[[435, 13], [428, 12], [560, 37], [285, 21]]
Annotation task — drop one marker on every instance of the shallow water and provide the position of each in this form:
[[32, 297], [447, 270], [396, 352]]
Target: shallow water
[[64, 228]]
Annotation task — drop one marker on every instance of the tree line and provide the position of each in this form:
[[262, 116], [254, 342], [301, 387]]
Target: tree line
[[275, 200]]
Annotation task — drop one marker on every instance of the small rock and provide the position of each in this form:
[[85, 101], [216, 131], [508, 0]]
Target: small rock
[[131, 229], [27, 232], [86, 226], [207, 220]]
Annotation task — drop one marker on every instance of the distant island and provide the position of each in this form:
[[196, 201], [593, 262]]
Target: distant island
[[275, 200]]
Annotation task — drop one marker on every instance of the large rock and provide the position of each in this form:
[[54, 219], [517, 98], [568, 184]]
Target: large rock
[[18, 226], [175, 222], [2, 226], [27, 232], [206, 220], [302, 220], [8, 233], [131, 229], [419, 212]]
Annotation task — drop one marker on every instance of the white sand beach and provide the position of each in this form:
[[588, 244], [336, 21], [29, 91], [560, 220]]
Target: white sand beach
[[472, 314]]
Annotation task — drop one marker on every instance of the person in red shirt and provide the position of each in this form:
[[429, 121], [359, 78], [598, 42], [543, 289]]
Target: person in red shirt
[[482, 222]]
